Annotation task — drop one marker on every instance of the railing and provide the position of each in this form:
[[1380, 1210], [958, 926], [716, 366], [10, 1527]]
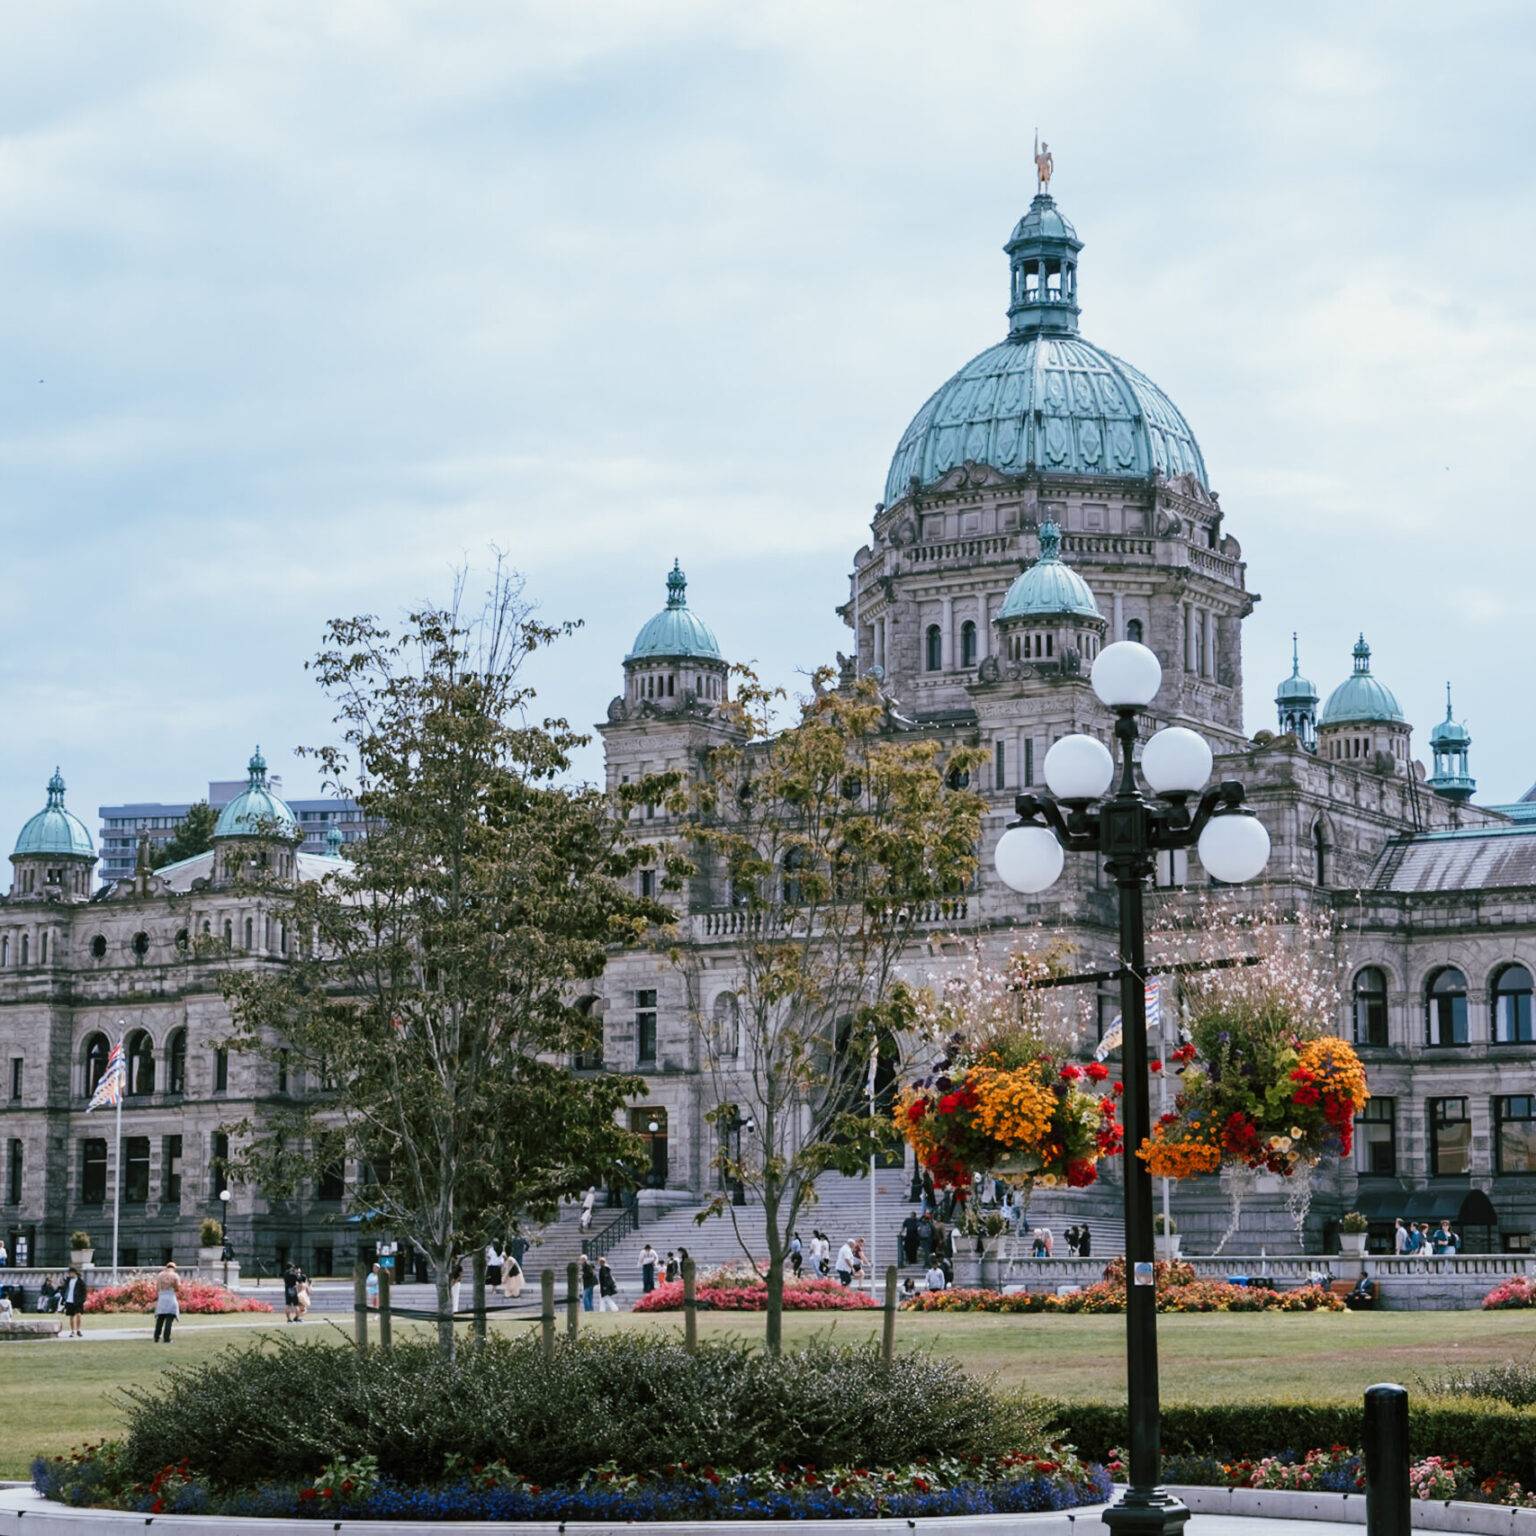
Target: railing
[[609, 1238], [1291, 1269], [744, 922], [1107, 544], [967, 550]]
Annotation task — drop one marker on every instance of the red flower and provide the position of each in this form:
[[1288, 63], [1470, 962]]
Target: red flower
[[1096, 1071], [949, 1103], [921, 1484], [1306, 1094], [1081, 1173], [305, 1495], [1107, 1106], [1119, 1090], [917, 1110], [1154, 1065], [1071, 1073]]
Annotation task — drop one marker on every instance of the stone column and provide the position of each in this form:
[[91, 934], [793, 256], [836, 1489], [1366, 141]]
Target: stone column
[[947, 638], [1210, 644], [1187, 617], [1117, 630], [984, 626]]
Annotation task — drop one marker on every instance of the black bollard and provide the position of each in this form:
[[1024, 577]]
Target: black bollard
[[1388, 1507]]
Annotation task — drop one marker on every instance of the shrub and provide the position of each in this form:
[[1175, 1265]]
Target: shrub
[[1494, 1439], [285, 1409], [744, 1296], [211, 1233], [1164, 1226], [191, 1295], [79, 1240], [1517, 1291], [1514, 1383]]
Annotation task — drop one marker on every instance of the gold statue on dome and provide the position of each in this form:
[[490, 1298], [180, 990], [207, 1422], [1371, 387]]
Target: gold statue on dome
[[1044, 164]]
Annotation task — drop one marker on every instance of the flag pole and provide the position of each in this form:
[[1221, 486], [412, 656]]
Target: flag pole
[[117, 1181], [874, 1064]]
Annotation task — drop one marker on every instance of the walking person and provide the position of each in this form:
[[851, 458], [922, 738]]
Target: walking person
[[925, 1238], [669, 1270], [512, 1278], [167, 1307], [909, 1238], [682, 1261], [796, 1255], [371, 1287], [607, 1288], [588, 1282], [492, 1265], [75, 1291], [456, 1284], [847, 1264], [649, 1259], [588, 1200], [1399, 1237], [1084, 1242], [291, 1292]]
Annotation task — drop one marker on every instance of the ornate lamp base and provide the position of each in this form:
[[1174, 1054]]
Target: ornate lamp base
[[1153, 1512]]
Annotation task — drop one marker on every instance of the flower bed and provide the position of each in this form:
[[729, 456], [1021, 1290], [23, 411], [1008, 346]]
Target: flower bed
[[1109, 1296], [193, 1296], [799, 1296], [1016, 1482], [1517, 1291]]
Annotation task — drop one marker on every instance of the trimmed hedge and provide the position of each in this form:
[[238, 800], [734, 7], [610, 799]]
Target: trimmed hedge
[[1494, 1437]]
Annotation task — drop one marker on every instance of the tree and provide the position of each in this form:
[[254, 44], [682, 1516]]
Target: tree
[[431, 1005], [193, 835], [834, 837]]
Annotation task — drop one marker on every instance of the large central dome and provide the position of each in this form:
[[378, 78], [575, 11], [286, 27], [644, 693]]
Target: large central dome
[[1045, 399]]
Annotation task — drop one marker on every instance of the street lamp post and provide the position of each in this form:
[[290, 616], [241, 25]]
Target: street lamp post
[[1128, 830], [224, 1232]]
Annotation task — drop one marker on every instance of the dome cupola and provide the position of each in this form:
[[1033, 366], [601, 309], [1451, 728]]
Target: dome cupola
[[1296, 702], [256, 834], [1049, 616], [54, 854], [1362, 722], [675, 662], [1450, 742], [334, 841], [1045, 399]]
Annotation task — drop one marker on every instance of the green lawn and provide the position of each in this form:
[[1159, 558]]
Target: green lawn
[[60, 1393]]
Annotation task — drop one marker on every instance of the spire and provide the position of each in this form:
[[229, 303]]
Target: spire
[[677, 586], [1448, 714], [257, 770], [1451, 744], [1295, 655], [56, 790], [1362, 655], [1296, 702]]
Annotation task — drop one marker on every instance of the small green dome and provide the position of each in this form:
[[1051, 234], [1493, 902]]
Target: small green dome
[[677, 631], [333, 842], [55, 832], [256, 811], [1360, 697], [1450, 735], [1296, 689], [1049, 588]]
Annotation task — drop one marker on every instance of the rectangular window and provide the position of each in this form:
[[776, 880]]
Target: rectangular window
[[1376, 1137], [645, 1025], [1450, 1137], [14, 1165], [130, 1258], [282, 1071], [16, 1077], [221, 1070], [218, 1164], [325, 1262], [1000, 765], [648, 884], [1514, 1134], [136, 1170], [1172, 868], [170, 1169], [332, 1183], [93, 1171], [1028, 777]]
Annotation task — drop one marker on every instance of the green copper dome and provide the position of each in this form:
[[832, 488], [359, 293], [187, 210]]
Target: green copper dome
[[1045, 399], [677, 631], [256, 811], [1296, 689], [1049, 588], [1360, 697], [55, 832], [1450, 735]]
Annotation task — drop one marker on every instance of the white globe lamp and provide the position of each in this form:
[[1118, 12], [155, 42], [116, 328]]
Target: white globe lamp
[[1028, 859], [1234, 848], [1175, 761], [1126, 675], [1079, 768]]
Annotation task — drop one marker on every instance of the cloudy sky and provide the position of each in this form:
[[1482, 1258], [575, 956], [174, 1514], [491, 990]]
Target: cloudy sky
[[303, 305]]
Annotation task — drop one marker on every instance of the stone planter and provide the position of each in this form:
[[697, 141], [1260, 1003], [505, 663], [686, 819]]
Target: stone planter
[[80, 1257], [1352, 1244], [1167, 1245], [209, 1258]]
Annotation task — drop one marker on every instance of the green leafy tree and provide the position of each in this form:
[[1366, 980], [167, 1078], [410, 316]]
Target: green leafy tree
[[831, 839], [192, 836], [431, 1006]]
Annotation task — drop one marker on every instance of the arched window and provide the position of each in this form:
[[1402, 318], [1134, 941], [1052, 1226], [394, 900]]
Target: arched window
[[97, 1051], [1512, 1006], [229, 934], [727, 1022], [1370, 1007], [968, 644], [1134, 631], [248, 934], [1445, 1008], [24, 949], [1319, 852], [5, 950], [176, 1063], [141, 1063], [935, 648]]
